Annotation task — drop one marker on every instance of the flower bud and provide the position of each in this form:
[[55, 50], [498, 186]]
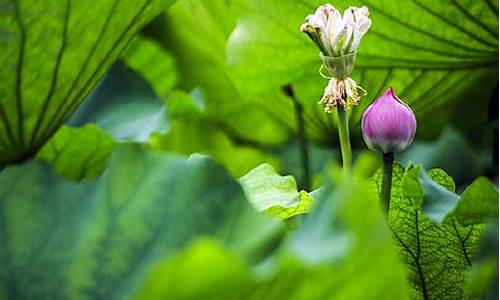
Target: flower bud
[[388, 124]]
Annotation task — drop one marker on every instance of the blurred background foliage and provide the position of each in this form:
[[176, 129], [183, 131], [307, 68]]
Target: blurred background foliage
[[112, 97]]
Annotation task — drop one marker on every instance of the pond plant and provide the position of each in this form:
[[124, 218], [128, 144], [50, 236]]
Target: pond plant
[[143, 142]]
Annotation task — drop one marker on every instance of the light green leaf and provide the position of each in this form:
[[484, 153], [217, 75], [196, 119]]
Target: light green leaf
[[182, 105], [434, 194], [478, 203], [346, 236], [52, 55], [436, 55], [203, 27], [78, 153], [273, 194], [411, 188], [482, 280], [445, 180], [157, 66], [437, 255], [190, 274], [98, 239], [347, 222]]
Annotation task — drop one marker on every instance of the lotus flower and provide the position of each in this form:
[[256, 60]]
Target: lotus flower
[[388, 124], [336, 34]]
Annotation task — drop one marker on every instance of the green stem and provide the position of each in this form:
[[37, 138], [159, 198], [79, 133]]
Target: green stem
[[387, 159], [301, 137], [304, 156], [345, 142]]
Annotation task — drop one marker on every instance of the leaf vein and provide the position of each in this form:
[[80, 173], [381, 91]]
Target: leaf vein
[[456, 26], [55, 73], [474, 19], [421, 31]]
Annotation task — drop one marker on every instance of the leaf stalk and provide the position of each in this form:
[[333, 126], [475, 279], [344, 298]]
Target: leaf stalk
[[387, 162], [345, 142]]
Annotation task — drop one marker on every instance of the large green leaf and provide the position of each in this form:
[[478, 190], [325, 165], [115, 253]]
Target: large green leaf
[[52, 55], [482, 280], [123, 105], [478, 203], [203, 27], [191, 131], [438, 55], [437, 255], [342, 251], [433, 193], [96, 240], [190, 275], [157, 66], [78, 153]]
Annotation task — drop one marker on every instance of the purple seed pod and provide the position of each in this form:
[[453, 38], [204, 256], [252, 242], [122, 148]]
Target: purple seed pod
[[388, 124]]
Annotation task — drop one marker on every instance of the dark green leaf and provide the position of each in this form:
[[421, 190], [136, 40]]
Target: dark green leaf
[[435, 199], [53, 53], [436, 55], [439, 200], [477, 205], [78, 153], [96, 240], [342, 251], [450, 152], [125, 106], [437, 255], [190, 131]]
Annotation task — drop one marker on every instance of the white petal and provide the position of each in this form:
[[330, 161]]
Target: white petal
[[316, 21], [348, 15], [363, 11], [356, 39], [335, 27], [349, 34], [323, 12], [364, 24]]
